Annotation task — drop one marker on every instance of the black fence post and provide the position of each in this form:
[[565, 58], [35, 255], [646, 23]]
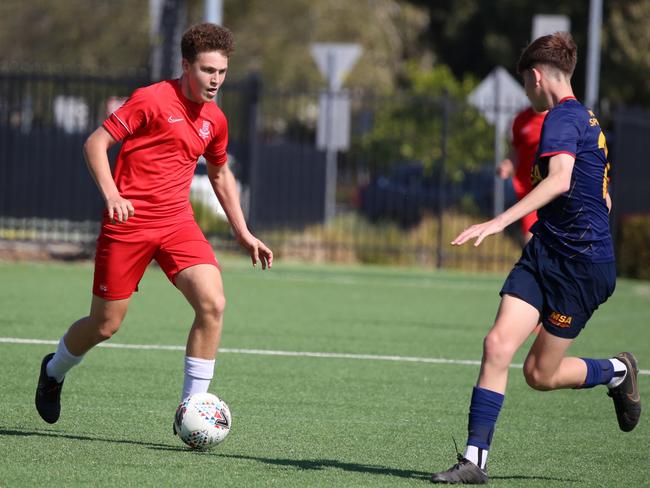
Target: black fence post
[[253, 93], [174, 17], [442, 197]]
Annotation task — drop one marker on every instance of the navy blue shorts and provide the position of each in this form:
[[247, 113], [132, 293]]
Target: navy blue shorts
[[566, 292]]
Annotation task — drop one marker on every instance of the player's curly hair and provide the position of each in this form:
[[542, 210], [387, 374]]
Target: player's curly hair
[[206, 37], [557, 50]]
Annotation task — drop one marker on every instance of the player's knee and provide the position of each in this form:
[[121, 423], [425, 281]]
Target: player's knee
[[212, 308], [107, 328], [497, 348], [537, 379]]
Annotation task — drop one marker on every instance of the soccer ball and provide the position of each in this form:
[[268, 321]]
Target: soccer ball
[[202, 421]]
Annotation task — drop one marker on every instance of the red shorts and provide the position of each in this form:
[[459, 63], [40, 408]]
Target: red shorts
[[125, 250]]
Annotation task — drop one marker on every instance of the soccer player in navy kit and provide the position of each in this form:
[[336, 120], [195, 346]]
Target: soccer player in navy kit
[[565, 272]]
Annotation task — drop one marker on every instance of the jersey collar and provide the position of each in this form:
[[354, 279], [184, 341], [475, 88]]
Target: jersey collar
[[565, 99]]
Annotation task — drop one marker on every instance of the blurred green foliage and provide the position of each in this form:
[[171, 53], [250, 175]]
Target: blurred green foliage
[[386, 243], [273, 38], [411, 126], [96, 35], [209, 222], [633, 251]]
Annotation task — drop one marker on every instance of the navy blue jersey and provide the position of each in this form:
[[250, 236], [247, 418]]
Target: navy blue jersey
[[575, 224]]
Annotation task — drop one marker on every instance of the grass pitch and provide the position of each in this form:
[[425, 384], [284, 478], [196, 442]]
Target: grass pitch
[[377, 404]]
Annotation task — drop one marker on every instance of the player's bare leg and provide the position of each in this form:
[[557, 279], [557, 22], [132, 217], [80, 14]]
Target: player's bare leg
[[514, 323], [546, 368], [203, 288], [104, 320]]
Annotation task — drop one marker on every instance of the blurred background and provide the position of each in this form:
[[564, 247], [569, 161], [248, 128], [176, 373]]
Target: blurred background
[[360, 132]]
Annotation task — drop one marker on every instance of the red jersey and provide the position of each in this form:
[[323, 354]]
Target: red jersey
[[163, 134], [526, 131]]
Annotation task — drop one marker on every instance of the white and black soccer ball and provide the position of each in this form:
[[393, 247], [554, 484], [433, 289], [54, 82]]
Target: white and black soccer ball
[[202, 421]]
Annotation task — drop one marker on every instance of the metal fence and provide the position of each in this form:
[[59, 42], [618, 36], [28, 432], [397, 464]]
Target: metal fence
[[46, 193], [346, 177]]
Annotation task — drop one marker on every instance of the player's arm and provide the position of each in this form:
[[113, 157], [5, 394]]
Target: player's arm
[[225, 187], [96, 154], [558, 181]]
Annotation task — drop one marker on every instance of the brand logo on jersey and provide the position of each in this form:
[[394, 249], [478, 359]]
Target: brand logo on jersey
[[204, 131], [173, 120], [559, 320]]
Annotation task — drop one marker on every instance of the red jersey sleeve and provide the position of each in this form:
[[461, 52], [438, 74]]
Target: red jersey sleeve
[[517, 125], [134, 114], [215, 153]]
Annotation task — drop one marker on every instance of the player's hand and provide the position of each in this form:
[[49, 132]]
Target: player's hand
[[505, 169], [258, 251], [478, 231], [119, 209]]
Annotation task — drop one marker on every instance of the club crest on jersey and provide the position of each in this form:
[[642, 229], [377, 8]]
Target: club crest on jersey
[[204, 131]]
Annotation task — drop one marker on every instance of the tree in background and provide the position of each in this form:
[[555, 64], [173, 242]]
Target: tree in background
[[95, 35], [473, 36], [410, 128], [626, 68], [273, 37]]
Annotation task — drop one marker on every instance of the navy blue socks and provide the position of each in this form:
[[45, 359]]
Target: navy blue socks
[[483, 413], [599, 372]]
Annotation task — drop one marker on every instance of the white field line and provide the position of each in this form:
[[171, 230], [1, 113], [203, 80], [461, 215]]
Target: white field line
[[399, 281], [267, 352]]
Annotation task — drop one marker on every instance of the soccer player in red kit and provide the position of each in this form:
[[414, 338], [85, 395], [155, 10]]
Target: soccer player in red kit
[[164, 129], [526, 131]]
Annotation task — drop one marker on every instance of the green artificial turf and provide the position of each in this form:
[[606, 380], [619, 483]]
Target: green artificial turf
[[381, 416]]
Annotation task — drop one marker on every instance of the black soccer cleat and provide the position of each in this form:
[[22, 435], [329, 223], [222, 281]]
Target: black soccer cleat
[[48, 394], [464, 472], [627, 401]]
